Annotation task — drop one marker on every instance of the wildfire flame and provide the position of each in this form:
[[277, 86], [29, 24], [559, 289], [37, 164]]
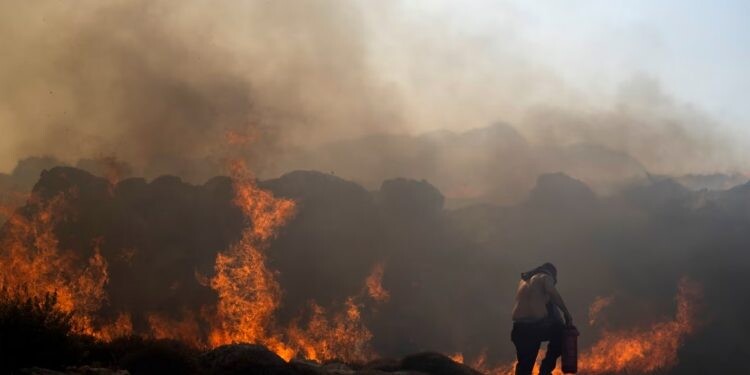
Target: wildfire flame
[[248, 291], [634, 351], [374, 284], [33, 264], [121, 326], [457, 357], [599, 304], [646, 350], [249, 294]]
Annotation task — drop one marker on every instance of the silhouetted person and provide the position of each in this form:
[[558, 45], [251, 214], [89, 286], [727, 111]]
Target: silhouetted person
[[536, 318]]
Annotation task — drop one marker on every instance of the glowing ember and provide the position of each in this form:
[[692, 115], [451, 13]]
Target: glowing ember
[[457, 357], [121, 326]]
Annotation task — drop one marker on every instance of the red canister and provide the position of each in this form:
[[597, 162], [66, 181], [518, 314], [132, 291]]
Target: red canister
[[570, 350]]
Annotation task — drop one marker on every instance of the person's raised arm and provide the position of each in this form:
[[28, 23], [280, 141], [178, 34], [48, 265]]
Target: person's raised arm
[[556, 298]]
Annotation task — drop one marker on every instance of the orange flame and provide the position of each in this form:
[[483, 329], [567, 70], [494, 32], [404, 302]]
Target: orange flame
[[248, 291], [121, 326], [597, 306], [457, 357], [186, 329], [34, 264], [374, 284], [648, 350], [635, 351], [249, 294], [344, 337]]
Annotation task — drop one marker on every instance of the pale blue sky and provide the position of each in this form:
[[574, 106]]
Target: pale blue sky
[[674, 68], [698, 50]]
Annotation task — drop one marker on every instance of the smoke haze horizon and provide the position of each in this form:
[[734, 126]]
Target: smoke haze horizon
[[158, 85]]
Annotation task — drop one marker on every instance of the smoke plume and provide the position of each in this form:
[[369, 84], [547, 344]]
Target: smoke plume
[[159, 85]]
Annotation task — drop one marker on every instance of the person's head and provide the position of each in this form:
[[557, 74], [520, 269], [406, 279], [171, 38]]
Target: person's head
[[550, 269], [547, 268]]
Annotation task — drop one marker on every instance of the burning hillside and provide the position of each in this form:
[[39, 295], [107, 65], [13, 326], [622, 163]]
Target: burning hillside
[[220, 264], [247, 292]]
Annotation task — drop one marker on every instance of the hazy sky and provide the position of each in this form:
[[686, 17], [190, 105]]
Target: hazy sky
[[698, 50]]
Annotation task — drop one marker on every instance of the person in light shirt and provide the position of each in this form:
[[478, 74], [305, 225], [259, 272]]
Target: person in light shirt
[[536, 318]]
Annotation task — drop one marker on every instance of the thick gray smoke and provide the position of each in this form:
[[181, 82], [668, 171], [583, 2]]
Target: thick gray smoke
[[159, 84], [356, 88]]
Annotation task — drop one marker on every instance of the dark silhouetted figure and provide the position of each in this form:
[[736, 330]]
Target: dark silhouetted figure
[[536, 318]]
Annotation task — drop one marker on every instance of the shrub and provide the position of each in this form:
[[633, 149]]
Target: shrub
[[34, 332]]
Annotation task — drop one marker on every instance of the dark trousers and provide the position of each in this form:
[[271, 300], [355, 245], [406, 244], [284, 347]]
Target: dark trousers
[[528, 337]]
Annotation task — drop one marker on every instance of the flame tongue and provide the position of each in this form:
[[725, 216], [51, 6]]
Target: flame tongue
[[342, 337], [33, 264], [645, 351], [248, 291], [626, 352], [374, 284]]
